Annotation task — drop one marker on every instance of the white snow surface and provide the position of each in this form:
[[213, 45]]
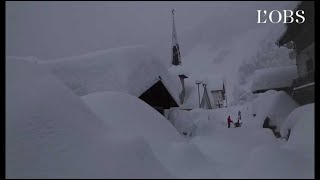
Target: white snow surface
[[131, 70], [296, 115], [270, 162], [189, 121], [276, 105], [191, 97], [252, 151], [56, 134], [301, 123], [52, 133], [129, 115], [178, 70], [213, 82], [276, 77], [291, 160]]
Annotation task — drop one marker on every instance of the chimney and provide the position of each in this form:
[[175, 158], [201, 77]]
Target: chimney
[[183, 91]]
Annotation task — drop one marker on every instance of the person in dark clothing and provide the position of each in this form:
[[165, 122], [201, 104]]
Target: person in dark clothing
[[229, 121], [239, 116]]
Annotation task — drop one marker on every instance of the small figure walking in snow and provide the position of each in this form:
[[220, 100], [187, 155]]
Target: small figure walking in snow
[[239, 116], [229, 121], [237, 124]]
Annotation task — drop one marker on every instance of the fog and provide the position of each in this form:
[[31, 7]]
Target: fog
[[49, 30]]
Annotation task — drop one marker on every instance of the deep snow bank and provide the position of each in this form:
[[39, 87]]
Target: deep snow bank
[[273, 104], [230, 148], [131, 116], [51, 133], [294, 159], [253, 152], [190, 123], [276, 105], [267, 162], [301, 123], [185, 160]]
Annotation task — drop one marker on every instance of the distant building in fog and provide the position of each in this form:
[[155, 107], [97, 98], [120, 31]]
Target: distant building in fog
[[213, 93]]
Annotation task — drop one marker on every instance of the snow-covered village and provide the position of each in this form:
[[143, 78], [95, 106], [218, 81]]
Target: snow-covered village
[[214, 90]]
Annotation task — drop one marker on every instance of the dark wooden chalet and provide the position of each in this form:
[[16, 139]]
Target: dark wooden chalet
[[301, 38]]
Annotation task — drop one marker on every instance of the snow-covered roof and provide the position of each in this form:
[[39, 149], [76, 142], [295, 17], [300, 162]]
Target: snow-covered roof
[[276, 77], [178, 70], [214, 83], [131, 70], [191, 97], [58, 131]]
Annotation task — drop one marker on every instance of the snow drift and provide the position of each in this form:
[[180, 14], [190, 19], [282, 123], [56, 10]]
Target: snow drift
[[273, 104], [267, 162], [131, 116], [189, 123], [294, 159], [301, 123], [51, 133]]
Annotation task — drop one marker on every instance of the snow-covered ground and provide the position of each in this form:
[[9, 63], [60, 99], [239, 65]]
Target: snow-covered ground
[[53, 133], [252, 151], [80, 117], [56, 134]]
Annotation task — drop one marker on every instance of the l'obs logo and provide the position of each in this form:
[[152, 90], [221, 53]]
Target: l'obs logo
[[281, 17]]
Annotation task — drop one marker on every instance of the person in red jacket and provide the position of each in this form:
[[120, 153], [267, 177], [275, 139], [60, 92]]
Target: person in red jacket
[[229, 121]]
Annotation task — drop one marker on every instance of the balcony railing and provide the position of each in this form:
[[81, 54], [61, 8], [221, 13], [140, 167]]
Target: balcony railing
[[303, 79]]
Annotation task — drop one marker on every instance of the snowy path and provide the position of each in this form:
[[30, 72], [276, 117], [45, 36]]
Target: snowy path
[[230, 148], [250, 151], [225, 149]]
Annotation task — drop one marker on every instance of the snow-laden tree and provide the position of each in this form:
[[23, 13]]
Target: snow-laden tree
[[268, 55], [241, 95]]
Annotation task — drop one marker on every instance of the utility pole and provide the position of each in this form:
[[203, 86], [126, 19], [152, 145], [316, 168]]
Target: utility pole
[[198, 83], [225, 93], [226, 101]]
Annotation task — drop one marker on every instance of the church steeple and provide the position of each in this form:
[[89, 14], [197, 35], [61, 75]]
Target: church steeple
[[176, 58]]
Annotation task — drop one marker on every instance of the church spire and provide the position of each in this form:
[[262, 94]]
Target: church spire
[[176, 58]]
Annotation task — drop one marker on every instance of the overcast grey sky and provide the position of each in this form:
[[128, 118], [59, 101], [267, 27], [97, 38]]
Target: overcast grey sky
[[51, 30]]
